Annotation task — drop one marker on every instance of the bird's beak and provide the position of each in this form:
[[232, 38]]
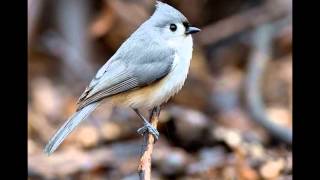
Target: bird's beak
[[192, 30]]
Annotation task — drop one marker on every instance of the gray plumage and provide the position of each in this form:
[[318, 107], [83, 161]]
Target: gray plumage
[[144, 58], [67, 127], [128, 69]]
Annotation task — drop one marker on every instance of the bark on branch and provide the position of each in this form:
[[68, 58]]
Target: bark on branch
[[144, 168]]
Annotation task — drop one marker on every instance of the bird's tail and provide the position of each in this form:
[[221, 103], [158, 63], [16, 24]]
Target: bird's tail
[[69, 126]]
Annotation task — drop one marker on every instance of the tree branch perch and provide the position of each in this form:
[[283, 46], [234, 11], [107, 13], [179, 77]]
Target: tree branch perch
[[144, 168]]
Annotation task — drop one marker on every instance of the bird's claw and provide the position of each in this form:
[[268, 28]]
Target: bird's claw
[[150, 129]]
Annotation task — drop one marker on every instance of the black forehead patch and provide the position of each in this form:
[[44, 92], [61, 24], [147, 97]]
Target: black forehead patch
[[165, 14], [186, 24]]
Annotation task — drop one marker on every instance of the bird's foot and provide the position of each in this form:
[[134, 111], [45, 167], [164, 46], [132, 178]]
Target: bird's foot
[[150, 129]]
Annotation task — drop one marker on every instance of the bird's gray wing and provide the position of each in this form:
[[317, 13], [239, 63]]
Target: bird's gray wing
[[133, 66]]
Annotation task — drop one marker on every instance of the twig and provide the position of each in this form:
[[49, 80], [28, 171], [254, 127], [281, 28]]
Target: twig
[[270, 10], [144, 168], [257, 63]]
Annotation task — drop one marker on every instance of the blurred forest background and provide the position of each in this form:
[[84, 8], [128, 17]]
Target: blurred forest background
[[231, 120]]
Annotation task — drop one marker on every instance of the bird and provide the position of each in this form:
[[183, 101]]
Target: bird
[[148, 69]]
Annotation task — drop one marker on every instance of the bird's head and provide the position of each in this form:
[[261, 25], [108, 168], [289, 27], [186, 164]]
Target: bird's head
[[171, 23]]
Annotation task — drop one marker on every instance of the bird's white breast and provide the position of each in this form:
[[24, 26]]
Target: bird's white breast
[[160, 92], [176, 78]]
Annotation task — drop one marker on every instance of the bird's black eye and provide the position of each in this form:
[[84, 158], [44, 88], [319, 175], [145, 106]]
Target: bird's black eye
[[173, 27]]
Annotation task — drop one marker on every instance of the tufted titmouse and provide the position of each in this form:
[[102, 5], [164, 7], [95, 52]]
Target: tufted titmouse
[[147, 69]]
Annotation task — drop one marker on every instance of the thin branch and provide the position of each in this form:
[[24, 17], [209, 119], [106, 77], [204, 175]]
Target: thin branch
[[144, 168], [257, 63], [268, 11]]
